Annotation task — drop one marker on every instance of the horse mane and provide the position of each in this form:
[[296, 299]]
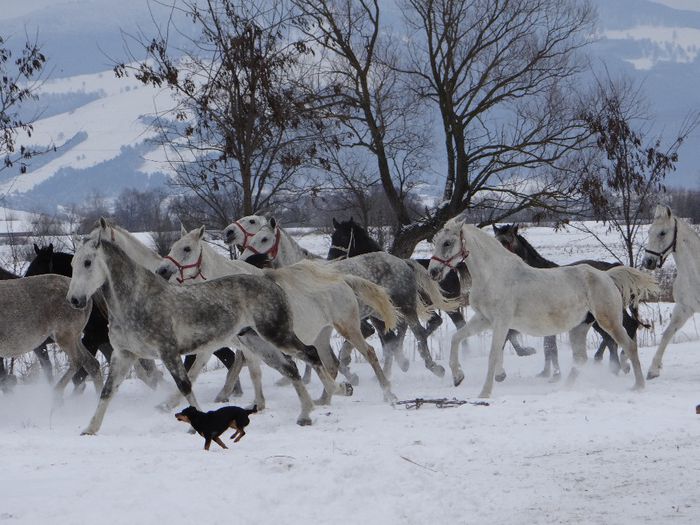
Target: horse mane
[[362, 235], [532, 256]]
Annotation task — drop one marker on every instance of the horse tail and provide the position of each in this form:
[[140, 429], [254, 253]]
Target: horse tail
[[376, 298], [634, 285], [430, 295]]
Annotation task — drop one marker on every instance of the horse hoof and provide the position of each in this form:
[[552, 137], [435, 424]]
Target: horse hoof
[[404, 364], [484, 394], [637, 387], [458, 378], [389, 397], [283, 381], [500, 377], [348, 389], [88, 432], [544, 373], [354, 379], [556, 377], [304, 421], [626, 369], [438, 370], [525, 351], [652, 374], [165, 407], [221, 399]]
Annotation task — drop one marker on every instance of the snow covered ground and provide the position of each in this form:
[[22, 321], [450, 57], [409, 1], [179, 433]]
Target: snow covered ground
[[542, 452]]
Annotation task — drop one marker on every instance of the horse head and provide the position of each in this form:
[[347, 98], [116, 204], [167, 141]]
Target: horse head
[[508, 236], [42, 262], [184, 257], [663, 235], [350, 239], [449, 250], [265, 242], [89, 269], [239, 232]]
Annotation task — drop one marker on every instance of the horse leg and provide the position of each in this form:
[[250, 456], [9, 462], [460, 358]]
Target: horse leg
[[478, 323], [609, 343], [7, 380], [307, 374], [515, 339], [457, 318], [679, 316], [42, 354], [550, 350], [255, 377], [147, 371], [497, 342], [182, 378], [619, 334], [577, 339], [200, 360], [119, 366], [345, 358], [433, 323], [353, 334], [422, 340], [232, 377], [284, 365], [325, 351]]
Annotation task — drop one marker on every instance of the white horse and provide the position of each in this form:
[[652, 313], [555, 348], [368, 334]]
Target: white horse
[[406, 281], [670, 236], [507, 293], [239, 232], [321, 298]]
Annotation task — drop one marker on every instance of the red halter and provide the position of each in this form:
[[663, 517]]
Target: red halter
[[182, 267], [272, 251], [463, 253], [246, 234]]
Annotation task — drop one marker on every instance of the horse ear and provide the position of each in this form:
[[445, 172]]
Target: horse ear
[[273, 222], [77, 241], [515, 229], [50, 247], [200, 231], [668, 212], [103, 223], [662, 211], [36, 249], [336, 225], [183, 231], [352, 221], [495, 229]]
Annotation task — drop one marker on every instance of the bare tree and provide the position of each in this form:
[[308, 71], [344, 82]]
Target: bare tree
[[20, 77], [501, 74], [362, 91], [626, 178], [241, 126]]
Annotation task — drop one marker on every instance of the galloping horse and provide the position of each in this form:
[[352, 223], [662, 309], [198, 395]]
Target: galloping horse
[[669, 235], [507, 293], [321, 298], [152, 318], [350, 239], [35, 309], [406, 281], [509, 237], [96, 331]]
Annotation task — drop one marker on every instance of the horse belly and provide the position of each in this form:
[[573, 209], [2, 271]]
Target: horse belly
[[549, 317]]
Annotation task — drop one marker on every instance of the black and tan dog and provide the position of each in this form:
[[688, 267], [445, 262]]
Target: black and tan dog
[[210, 425]]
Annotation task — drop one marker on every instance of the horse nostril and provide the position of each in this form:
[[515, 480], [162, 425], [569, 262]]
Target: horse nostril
[[74, 301]]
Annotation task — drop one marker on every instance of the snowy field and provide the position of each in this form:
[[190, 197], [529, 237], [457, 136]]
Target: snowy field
[[542, 452]]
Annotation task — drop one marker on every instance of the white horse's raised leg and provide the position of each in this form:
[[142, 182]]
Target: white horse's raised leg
[[497, 342], [119, 366], [478, 323], [679, 317]]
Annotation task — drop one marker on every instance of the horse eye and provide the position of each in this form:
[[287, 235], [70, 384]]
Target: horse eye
[[252, 221], [87, 263], [446, 244], [661, 234], [187, 249], [264, 239]]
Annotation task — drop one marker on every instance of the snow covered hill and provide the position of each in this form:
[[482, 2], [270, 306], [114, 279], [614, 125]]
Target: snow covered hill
[[101, 124]]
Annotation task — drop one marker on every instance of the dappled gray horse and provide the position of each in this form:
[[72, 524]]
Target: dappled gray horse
[[35, 309], [152, 318]]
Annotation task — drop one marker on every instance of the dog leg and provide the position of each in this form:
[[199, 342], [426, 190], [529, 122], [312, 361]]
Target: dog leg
[[219, 442]]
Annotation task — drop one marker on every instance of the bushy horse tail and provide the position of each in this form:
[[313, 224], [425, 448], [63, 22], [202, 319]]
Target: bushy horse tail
[[376, 298], [430, 295], [634, 285]]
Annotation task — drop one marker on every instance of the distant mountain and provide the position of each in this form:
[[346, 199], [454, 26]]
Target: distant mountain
[[100, 123]]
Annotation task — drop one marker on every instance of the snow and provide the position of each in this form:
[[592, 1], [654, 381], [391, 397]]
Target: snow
[[675, 44], [592, 452]]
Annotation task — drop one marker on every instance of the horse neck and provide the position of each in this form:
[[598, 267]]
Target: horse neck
[[367, 245], [531, 256], [137, 250], [126, 279], [488, 261], [687, 249], [290, 251], [215, 264]]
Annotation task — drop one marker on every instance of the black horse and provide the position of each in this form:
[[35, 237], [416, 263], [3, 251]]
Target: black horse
[[350, 239], [510, 238], [7, 380], [96, 332]]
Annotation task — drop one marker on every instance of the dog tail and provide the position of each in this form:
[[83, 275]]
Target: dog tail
[[252, 410], [430, 295]]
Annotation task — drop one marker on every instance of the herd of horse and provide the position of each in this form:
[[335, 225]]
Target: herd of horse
[[278, 303]]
